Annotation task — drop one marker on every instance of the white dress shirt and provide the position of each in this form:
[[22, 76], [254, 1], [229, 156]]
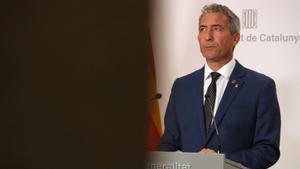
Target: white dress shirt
[[221, 82]]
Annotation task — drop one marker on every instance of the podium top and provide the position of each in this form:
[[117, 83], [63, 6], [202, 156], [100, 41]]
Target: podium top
[[183, 160]]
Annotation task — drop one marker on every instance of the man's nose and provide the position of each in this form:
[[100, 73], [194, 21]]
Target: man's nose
[[208, 35]]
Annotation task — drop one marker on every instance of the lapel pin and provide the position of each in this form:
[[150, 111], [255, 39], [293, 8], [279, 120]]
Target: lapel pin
[[234, 82]]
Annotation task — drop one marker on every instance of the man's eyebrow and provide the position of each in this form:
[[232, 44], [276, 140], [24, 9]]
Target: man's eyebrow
[[202, 26], [216, 25]]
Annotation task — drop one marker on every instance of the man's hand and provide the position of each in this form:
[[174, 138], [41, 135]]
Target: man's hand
[[207, 151]]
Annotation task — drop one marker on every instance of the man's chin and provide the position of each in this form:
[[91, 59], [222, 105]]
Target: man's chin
[[210, 56]]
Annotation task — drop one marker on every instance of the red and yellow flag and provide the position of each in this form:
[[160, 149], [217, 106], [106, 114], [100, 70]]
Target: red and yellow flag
[[154, 122]]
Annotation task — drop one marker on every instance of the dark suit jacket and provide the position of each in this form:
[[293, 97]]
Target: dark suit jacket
[[248, 118]]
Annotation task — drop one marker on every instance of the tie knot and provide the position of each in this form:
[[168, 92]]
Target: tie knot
[[214, 76]]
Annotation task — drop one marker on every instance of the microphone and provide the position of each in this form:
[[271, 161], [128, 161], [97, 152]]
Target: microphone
[[215, 126], [157, 96]]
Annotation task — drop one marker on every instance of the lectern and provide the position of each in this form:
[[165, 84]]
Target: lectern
[[181, 160]]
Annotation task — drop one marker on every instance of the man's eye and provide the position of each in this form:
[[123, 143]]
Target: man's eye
[[201, 29], [217, 28]]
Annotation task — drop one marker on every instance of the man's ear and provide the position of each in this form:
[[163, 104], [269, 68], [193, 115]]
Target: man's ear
[[236, 38]]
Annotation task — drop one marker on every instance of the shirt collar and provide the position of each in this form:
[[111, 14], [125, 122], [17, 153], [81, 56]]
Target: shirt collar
[[225, 71]]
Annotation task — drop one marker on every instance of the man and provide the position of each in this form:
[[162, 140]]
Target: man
[[243, 101]]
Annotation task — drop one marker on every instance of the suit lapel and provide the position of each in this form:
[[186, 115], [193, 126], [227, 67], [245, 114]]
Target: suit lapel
[[198, 100], [235, 83]]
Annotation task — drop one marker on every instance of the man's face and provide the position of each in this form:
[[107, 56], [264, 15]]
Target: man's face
[[215, 39]]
